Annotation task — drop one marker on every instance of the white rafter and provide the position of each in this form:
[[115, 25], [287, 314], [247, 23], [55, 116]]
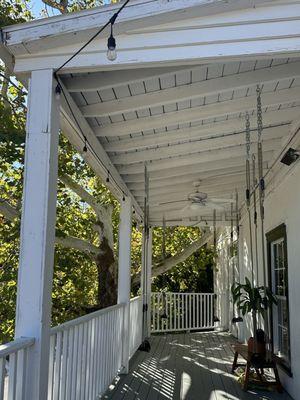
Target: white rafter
[[194, 146], [214, 155], [233, 125], [198, 113], [192, 90]]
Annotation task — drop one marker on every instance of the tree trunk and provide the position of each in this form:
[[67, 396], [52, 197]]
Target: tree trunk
[[107, 276]]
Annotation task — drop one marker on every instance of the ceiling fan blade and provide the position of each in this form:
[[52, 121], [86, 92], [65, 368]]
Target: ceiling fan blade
[[219, 200], [213, 206], [173, 201], [185, 209]]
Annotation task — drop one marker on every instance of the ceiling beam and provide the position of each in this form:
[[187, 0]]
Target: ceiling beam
[[191, 177], [201, 145], [188, 187], [214, 155], [205, 169], [214, 110], [113, 79], [214, 191], [116, 184], [192, 90], [232, 125]]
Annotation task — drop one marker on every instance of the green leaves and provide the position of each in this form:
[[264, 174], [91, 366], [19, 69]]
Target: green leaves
[[248, 298]]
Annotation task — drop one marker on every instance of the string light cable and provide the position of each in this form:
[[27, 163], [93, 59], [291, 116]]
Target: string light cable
[[86, 142], [111, 22]]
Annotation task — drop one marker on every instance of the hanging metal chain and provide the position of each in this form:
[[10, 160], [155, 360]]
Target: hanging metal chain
[[262, 210], [248, 138], [259, 113], [248, 148]]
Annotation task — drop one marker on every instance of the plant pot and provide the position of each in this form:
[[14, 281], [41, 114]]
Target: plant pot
[[257, 348]]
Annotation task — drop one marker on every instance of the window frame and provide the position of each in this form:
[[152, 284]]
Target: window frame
[[272, 236]]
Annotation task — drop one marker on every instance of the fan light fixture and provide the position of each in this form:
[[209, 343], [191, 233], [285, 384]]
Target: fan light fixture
[[290, 157]]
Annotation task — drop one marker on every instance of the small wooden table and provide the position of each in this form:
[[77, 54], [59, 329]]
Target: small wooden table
[[242, 350]]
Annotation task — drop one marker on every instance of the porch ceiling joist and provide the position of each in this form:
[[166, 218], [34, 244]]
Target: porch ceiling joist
[[193, 90], [220, 190], [161, 210], [195, 146], [193, 222], [113, 79], [214, 155], [198, 113], [117, 184], [201, 169], [185, 134], [189, 188], [191, 177]]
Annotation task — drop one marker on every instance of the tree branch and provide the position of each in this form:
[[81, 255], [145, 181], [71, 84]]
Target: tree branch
[[8, 211], [78, 244], [169, 263], [62, 5], [83, 194]]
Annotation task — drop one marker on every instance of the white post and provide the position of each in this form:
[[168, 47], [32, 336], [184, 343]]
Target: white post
[[125, 273], [33, 314], [149, 279]]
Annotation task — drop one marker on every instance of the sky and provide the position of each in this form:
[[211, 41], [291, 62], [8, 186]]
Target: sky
[[37, 6]]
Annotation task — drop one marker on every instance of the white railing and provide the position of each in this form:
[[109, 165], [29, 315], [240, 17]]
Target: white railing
[[85, 355], [13, 367], [136, 323], [181, 311]]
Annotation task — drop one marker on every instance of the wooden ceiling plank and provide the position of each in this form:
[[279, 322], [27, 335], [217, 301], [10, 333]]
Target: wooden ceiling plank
[[196, 146], [199, 113], [180, 135], [214, 155], [190, 91]]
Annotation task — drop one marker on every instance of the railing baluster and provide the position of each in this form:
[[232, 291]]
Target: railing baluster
[[197, 310], [57, 365], [13, 360], [2, 377], [51, 367], [70, 360], [20, 374], [75, 363], [64, 356]]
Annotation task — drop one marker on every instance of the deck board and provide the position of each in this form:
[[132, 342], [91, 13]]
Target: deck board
[[185, 366]]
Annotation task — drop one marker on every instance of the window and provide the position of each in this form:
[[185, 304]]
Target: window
[[278, 274]]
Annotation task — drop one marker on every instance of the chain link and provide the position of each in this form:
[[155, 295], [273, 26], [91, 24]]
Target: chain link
[[259, 113], [248, 139]]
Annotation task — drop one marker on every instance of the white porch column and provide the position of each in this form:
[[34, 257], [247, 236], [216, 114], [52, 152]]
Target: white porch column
[[149, 279], [146, 276], [125, 272], [33, 314]]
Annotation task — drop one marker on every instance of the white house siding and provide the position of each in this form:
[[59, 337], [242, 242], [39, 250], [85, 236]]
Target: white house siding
[[282, 205]]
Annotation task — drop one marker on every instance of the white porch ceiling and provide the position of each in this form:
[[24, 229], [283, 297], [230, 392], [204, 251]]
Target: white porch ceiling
[[187, 123], [177, 94]]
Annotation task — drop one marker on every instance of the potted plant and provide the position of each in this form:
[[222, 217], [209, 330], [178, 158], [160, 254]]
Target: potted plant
[[254, 300]]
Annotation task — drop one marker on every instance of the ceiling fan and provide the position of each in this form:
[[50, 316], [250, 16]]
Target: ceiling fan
[[199, 201]]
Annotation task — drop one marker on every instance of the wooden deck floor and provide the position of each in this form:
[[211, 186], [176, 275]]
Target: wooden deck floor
[[186, 367]]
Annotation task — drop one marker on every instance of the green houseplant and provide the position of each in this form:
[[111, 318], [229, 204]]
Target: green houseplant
[[254, 300]]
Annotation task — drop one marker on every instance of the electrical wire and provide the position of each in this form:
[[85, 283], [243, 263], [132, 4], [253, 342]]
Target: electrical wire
[[110, 21], [86, 141]]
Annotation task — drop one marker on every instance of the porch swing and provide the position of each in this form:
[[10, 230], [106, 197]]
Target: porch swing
[[261, 185], [261, 200], [258, 353]]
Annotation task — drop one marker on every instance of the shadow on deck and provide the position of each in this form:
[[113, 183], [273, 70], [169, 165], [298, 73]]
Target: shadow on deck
[[185, 366]]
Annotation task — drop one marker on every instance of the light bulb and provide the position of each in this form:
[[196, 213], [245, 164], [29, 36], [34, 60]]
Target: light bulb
[[111, 48], [57, 92]]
